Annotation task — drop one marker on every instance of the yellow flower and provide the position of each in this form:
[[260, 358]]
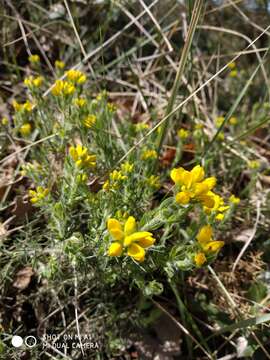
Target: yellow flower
[[206, 242], [34, 59], [27, 106], [233, 120], [59, 64], [221, 136], [219, 120], [111, 107], [90, 121], [205, 234], [199, 259], [234, 200], [25, 129], [62, 87], [233, 73], [219, 207], [80, 102], [81, 157], [38, 195], [192, 185], [117, 176], [153, 181], [232, 65], [4, 121], [33, 82], [141, 126], [199, 126], [127, 167], [253, 164], [183, 134], [127, 240], [81, 178], [149, 154], [76, 76], [220, 217]]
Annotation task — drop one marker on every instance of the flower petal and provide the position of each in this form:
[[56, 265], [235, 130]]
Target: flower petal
[[115, 229], [146, 242], [183, 198], [115, 249], [136, 252], [197, 174], [199, 259], [213, 246], [205, 234], [136, 237], [130, 225]]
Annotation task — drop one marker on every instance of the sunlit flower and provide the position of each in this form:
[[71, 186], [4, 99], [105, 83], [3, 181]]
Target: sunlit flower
[[127, 240], [233, 73], [127, 167], [59, 64], [111, 107], [4, 121], [219, 120], [90, 121], [39, 194], [80, 102], [76, 76], [183, 134], [148, 154], [232, 65], [25, 129], [233, 120], [33, 82], [192, 185], [200, 259], [234, 200], [219, 207], [62, 87], [221, 136], [82, 157], [254, 164], [141, 126], [34, 59], [206, 242], [27, 106]]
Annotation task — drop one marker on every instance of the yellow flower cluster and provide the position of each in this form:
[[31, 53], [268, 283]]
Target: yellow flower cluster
[[32, 82], [39, 194], [59, 64], [127, 240], [141, 126], [34, 59], [219, 120], [234, 200], [232, 66], [183, 133], [111, 107], [233, 120], [62, 88], [117, 176], [4, 121], [90, 121], [80, 102], [193, 186], [254, 164], [148, 154], [207, 244], [76, 76], [219, 207], [82, 157], [27, 106], [25, 129]]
